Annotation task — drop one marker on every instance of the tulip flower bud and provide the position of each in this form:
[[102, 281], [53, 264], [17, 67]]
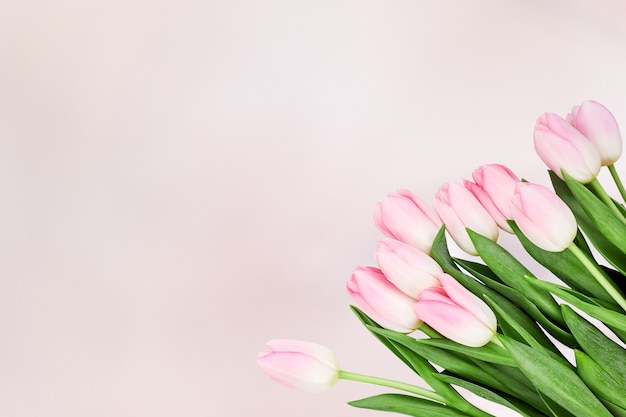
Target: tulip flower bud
[[543, 217], [599, 126], [382, 301], [409, 269], [459, 209], [560, 146], [456, 313], [403, 216], [301, 365], [488, 204], [497, 184]]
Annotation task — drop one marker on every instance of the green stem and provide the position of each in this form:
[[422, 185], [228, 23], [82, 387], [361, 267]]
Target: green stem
[[429, 331], [617, 181], [422, 392], [596, 187], [599, 275]]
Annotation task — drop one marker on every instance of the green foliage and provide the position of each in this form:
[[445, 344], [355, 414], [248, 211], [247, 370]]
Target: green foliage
[[406, 404]]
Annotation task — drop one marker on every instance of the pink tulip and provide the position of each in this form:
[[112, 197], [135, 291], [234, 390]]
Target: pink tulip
[[599, 126], [301, 365], [403, 216], [494, 189], [381, 300], [409, 269], [560, 146], [456, 313], [543, 217], [459, 209], [488, 204]]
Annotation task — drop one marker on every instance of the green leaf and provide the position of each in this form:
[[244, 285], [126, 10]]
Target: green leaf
[[492, 395], [489, 353], [477, 268], [614, 409], [609, 251], [565, 266], [605, 352], [406, 404], [420, 366], [556, 380], [584, 303], [599, 381], [513, 382], [446, 359], [528, 338], [613, 228], [428, 373], [555, 409], [512, 273]]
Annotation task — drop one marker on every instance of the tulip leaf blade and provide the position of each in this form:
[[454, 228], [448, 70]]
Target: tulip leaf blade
[[606, 353], [602, 217], [512, 381], [406, 404], [617, 411], [429, 374], [599, 381], [446, 359], [511, 272], [554, 408], [587, 304], [503, 378], [416, 362], [608, 250], [504, 316], [548, 374], [477, 268], [492, 395], [564, 265], [489, 353]]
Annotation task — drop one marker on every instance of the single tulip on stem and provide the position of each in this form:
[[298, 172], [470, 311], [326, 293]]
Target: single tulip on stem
[[599, 126], [550, 224], [314, 368], [310, 367]]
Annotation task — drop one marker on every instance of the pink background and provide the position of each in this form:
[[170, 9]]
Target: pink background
[[182, 181]]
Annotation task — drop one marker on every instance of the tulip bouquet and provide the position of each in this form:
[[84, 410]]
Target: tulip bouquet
[[488, 325]]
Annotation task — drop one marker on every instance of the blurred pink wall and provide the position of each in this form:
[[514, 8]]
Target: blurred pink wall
[[182, 181]]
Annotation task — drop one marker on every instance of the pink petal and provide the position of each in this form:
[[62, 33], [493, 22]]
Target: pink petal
[[454, 323], [468, 301]]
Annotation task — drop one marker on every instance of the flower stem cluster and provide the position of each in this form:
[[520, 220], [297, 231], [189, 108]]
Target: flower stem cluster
[[485, 320]]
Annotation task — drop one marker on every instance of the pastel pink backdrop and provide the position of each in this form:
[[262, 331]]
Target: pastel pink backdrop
[[182, 181]]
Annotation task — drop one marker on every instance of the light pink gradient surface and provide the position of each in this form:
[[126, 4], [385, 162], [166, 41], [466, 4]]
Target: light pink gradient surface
[[183, 181]]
